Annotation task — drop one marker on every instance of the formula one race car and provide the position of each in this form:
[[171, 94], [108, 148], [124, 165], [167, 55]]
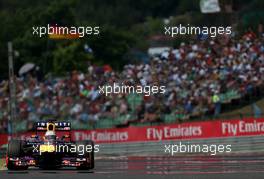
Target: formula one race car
[[49, 151]]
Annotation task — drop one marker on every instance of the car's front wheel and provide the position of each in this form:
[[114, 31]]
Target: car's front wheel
[[89, 155], [14, 151]]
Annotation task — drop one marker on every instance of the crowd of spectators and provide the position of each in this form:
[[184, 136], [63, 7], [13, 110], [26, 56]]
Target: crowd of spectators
[[193, 74]]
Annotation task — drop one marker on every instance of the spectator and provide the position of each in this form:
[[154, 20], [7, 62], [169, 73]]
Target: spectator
[[192, 74]]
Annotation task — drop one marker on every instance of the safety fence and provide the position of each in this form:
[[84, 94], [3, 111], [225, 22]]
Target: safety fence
[[238, 145], [245, 135]]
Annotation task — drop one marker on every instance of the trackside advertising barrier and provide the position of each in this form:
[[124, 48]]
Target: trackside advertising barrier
[[187, 130]]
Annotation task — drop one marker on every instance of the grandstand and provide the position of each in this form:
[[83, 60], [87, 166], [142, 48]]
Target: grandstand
[[203, 79]]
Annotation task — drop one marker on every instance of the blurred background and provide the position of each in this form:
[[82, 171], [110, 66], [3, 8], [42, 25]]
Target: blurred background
[[205, 78]]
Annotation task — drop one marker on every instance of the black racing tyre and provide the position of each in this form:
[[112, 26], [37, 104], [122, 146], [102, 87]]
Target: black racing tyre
[[14, 150], [88, 155]]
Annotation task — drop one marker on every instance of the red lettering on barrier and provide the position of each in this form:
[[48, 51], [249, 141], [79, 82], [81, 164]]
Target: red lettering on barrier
[[188, 130]]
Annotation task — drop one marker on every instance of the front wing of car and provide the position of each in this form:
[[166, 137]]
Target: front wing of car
[[65, 162]]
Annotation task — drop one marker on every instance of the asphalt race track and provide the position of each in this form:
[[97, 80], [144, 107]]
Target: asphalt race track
[[182, 167]]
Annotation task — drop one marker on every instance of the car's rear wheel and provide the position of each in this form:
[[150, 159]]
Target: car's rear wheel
[[14, 150], [89, 155]]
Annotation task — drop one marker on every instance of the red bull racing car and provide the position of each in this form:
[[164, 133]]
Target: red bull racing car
[[50, 148]]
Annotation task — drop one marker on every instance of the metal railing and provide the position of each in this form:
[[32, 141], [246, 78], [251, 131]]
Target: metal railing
[[239, 145], [249, 144]]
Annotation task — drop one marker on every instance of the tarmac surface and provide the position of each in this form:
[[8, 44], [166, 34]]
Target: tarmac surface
[[180, 167]]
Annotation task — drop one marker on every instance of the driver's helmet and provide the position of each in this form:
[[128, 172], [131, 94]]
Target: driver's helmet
[[50, 135]]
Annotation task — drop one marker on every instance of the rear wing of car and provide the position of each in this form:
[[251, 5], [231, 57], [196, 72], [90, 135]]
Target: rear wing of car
[[55, 126]]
